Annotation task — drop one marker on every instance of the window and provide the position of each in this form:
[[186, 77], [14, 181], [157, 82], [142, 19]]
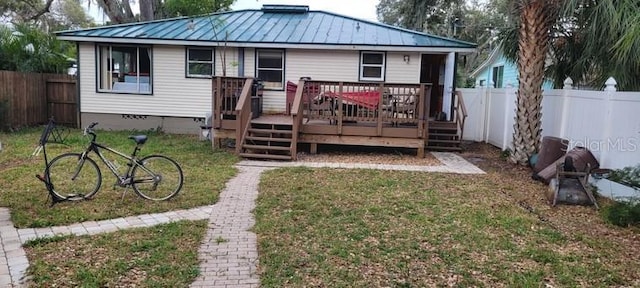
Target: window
[[498, 76], [372, 66], [270, 68], [200, 62], [124, 69]]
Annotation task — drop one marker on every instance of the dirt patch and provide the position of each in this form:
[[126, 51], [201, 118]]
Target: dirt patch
[[367, 155]]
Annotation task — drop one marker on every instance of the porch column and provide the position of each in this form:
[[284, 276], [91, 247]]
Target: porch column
[[449, 70]]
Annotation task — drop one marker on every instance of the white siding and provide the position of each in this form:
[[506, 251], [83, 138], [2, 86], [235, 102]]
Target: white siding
[[399, 71], [249, 62], [231, 60], [173, 93], [317, 64]]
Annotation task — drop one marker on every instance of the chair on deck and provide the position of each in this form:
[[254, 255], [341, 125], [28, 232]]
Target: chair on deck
[[405, 104]]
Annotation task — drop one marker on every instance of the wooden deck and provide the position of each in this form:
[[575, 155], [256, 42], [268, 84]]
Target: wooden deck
[[363, 114]]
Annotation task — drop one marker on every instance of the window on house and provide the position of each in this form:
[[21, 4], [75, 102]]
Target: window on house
[[200, 62], [124, 69], [372, 66], [270, 68], [498, 76]]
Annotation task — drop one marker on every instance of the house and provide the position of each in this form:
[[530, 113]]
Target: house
[[354, 82], [499, 72], [159, 73]]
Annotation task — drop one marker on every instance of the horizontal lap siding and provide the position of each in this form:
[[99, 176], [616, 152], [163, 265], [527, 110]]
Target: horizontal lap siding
[[173, 93], [317, 64], [399, 71]]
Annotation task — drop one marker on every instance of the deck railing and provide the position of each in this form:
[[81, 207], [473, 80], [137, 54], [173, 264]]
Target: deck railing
[[376, 104], [243, 114], [226, 94], [460, 111]]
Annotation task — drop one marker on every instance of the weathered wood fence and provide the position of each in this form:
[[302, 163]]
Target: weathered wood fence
[[32, 98]]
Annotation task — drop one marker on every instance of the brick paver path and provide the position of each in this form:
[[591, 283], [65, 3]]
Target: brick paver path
[[228, 254]]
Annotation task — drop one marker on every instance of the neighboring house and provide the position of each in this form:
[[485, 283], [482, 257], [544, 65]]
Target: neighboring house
[[498, 72], [159, 72]]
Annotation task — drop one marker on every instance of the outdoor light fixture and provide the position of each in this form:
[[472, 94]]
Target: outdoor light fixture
[[406, 59]]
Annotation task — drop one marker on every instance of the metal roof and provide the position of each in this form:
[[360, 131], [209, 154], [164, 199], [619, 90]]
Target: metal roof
[[274, 24]]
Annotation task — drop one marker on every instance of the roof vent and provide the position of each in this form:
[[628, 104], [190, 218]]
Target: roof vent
[[294, 9]]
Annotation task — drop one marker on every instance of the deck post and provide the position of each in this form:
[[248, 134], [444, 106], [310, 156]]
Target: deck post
[[421, 117], [421, 150], [313, 148], [340, 86], [380, 103]]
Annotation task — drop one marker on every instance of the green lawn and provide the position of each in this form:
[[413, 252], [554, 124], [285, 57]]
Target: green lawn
[[160, 256], [205, 171], [368, 228]]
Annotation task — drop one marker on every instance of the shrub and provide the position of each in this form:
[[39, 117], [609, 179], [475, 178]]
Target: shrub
[[623, 214], [629, 176]]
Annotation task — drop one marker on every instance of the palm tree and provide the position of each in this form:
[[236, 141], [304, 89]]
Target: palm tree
[[535, 19]]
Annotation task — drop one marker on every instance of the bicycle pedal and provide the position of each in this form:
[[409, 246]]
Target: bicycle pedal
[[41, 178]]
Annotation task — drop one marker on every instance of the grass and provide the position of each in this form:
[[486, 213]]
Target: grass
[[160, 256], [367, 228], [205, 172]]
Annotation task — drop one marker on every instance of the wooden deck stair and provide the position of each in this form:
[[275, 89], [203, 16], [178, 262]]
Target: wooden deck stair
[[443, 136], [268, 141]]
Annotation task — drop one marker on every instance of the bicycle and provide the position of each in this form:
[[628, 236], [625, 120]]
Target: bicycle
[[75, 176]]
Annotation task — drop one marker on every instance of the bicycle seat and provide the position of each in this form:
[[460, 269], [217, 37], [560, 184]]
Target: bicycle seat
[[140, 139]]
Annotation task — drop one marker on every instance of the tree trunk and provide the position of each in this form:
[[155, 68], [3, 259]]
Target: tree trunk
[[117, 11], [146, 10], [535, 16]]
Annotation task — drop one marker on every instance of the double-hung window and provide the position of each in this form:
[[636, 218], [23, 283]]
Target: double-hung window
[[270, 68], [124, 69], [372, 66], [498, 76], [200, 62]]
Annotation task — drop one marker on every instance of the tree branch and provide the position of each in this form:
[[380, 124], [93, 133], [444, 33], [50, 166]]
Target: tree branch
[[44, 10]]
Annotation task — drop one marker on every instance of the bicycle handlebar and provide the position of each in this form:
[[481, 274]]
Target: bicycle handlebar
[[89, 130]]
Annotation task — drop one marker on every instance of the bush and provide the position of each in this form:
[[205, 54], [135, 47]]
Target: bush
[[623, 214], [629, 176]]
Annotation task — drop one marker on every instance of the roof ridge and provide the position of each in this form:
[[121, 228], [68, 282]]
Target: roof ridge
[[155, 21], [395, 27]]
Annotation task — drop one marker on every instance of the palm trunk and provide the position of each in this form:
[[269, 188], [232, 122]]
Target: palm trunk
[[533, 42]]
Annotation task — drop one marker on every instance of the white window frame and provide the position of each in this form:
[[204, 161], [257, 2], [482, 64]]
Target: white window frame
[[381, 66], [495, 77], [101, 59], [282, 53], [212, 62]]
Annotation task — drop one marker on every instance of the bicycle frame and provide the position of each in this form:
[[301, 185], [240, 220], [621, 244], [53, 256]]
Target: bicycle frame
[[97, 147], [123, 180]]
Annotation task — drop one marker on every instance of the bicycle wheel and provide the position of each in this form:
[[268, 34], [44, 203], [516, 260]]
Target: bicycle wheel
[[157, 178], [73, 178]]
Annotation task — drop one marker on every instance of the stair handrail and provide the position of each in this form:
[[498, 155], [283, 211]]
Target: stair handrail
[[297, 114], [243, 114], [461, 113]]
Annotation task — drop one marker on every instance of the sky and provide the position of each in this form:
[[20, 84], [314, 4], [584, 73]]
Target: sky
[[362, 9]]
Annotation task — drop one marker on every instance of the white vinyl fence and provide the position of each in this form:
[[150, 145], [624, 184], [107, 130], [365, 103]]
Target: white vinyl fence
[[606, 122]]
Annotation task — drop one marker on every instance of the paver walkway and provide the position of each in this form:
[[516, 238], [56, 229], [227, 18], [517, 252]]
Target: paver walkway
[[228, 254]]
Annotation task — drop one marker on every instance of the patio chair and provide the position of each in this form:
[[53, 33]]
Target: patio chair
[[402, 105], [319, 105], [406, 105]]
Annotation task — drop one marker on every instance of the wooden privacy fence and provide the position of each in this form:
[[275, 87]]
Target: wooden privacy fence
[[32, 98]]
